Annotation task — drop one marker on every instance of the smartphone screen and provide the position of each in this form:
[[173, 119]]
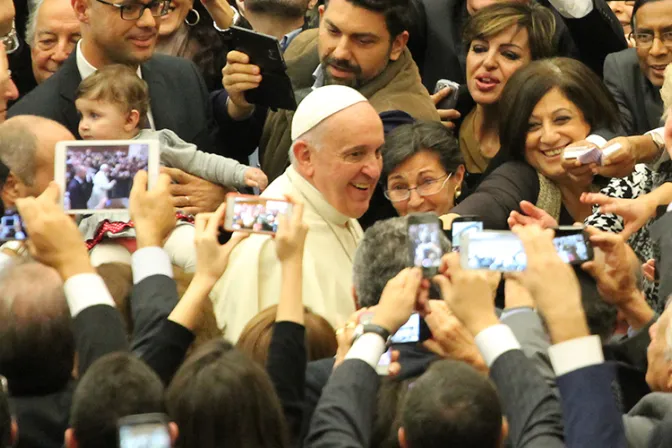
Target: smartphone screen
[[254, 214], [11, 227], [144, 435], [573, 249], [495, 251], [383, 366], [409, 332], [425, 243], [464, 227]]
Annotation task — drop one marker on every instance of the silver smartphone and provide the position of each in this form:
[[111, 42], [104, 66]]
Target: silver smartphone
[[254, 214]]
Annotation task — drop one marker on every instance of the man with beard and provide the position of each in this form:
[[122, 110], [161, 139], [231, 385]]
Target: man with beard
[[359, 44]]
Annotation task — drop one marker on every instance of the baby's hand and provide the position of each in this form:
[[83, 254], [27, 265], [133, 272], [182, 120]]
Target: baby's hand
[[254, 177]]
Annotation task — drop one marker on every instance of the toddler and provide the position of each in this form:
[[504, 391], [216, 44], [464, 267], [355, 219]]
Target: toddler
[[113, 104]]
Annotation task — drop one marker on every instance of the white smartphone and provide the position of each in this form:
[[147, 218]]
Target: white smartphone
[[96, 176], [254, 214], [144, 430], [492, 250]]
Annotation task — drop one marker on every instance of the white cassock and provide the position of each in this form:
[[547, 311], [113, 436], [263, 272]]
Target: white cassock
[[101, 185], [252, 279]]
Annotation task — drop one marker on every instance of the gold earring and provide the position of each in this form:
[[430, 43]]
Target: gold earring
[[458, 192]]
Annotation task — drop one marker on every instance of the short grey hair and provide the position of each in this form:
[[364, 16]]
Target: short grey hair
[[313, 137], [31, 23], [380, 256], [18, 149]]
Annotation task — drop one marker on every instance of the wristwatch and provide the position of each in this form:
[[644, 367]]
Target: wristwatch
[[362, 329], [11, 40]]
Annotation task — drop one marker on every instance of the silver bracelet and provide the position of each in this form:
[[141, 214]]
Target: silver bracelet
[[11, 40], [236, 16]]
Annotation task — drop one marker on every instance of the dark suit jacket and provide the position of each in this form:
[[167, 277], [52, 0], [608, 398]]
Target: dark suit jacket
[[79, 193], [589, 39], [344, 415], [639, 101], [99, 330], [179, 99], [661, 233], [591, 415]]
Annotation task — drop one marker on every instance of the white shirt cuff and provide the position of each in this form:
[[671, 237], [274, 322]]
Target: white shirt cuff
[[369, 347], [576, 354], [596, 139], [85, 290], [669, 208], [495, 341], [573, 9], [150, 261]]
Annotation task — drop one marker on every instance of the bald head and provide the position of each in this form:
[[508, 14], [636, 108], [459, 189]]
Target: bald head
[[27, 148], [36, 339]]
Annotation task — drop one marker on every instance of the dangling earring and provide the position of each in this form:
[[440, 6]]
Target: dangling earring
[[458, 191], [195, 22]]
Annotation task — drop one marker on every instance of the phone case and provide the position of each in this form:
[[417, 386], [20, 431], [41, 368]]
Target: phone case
[[275, 90]]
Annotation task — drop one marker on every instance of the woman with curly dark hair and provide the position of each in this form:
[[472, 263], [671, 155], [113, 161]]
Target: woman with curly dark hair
[[188, 31]]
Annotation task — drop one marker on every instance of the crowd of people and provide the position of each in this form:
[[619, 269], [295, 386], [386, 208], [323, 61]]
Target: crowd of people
[[324, 323]]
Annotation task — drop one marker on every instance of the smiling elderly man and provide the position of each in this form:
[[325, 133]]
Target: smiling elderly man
[[334, 174], [52, 32]]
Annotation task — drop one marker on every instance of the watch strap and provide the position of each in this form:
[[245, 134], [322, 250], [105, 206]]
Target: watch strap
[[377, 329]]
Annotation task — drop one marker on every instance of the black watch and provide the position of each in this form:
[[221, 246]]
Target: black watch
[[362, 329]]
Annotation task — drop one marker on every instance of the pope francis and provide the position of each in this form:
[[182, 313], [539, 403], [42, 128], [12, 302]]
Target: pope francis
[[336, 163]]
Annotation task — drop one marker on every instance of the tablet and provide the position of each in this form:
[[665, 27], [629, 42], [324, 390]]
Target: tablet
[[97, 176]]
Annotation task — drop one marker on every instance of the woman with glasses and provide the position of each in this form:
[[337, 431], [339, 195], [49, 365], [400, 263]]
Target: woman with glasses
[[634, 76], [423, 168]]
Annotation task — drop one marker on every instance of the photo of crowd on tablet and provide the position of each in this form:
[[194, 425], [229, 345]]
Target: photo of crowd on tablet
[[101, 177], [257, 215]]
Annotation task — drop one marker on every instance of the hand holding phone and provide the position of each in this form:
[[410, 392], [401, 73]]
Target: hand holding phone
[[254, 214], [450, 100], [463, 225]]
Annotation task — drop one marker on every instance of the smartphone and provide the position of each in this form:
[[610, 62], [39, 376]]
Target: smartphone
[[424, 233], [11, 227], [96, 176], [414, 330], [492, 250], [450, 101], [573, 244], [503, 251], [144, 430], [463, 225], [275, 90], [254, 214]]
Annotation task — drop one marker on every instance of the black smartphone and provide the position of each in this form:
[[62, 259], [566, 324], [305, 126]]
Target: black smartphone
[[463, 225], [424, 233], [11, 227], [573, 244], [450, 101], [144, 430], [275, 90]]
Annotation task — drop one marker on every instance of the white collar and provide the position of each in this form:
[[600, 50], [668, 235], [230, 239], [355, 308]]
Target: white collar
[[316, 199], [85, 68]]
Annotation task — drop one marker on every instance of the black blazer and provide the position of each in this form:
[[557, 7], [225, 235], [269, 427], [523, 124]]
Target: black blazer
[[440, 52], [178, 96], [79, 193]]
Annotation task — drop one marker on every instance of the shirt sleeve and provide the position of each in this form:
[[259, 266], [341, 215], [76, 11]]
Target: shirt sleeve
[[494, 341], [85, 290], [576, 354], [573, 9], [664, 155], [369, 348], [214, 168], [150, 261]]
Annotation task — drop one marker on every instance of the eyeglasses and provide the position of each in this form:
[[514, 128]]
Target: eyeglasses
[[645, 40], [427, 188], [133, 11]]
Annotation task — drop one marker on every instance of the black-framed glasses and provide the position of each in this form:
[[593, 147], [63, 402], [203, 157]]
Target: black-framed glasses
[[135, 10], [427, 188], [645, 39]]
